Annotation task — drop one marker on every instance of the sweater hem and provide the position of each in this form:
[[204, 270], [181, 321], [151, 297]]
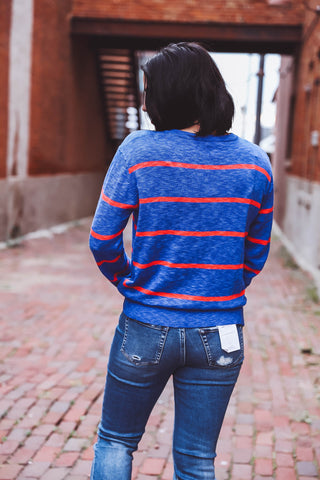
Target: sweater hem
[[170, 317]]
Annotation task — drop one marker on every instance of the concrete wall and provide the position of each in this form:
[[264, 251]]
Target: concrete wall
[[301, 232], [41, 202], [303, 202]]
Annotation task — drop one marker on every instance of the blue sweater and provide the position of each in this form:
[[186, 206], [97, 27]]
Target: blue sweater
[[202, 215]]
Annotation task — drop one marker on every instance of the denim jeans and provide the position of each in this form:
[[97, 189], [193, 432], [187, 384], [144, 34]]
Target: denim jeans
[[142, 359]]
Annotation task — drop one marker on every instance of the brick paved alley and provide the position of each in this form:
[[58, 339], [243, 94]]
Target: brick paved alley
[[57, 320]]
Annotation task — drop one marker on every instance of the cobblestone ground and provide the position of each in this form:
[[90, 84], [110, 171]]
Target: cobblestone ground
[[58, 316]]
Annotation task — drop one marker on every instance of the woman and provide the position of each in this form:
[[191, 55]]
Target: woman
[[201, 200]]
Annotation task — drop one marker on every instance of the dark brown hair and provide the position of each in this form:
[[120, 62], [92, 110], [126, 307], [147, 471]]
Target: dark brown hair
[[184, 86]]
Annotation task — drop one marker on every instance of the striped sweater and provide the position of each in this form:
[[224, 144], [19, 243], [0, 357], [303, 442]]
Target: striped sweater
[[202, 215]]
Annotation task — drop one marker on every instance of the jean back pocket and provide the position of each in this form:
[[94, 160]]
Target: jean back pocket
[[143, 343], [216, 356]]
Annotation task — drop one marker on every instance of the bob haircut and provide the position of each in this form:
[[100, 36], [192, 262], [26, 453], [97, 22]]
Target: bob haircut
[[183, 87]]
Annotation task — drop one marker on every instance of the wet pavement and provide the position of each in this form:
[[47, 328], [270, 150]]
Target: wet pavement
[[57, 318]]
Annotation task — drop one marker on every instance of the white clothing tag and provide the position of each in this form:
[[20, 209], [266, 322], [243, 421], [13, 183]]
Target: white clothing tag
[[229, 338]]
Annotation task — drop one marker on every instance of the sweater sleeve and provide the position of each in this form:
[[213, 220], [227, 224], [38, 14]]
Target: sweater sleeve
[[118, 199], [257, 243]]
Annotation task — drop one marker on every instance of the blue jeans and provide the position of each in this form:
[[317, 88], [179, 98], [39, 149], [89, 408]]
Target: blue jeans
[[142, 359]]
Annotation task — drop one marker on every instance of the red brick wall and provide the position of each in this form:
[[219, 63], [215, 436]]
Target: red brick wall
[[226, 11], [67, 132], [5, 15], [306, 158]]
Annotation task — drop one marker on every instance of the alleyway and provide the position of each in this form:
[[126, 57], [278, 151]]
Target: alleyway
[[57, 320]]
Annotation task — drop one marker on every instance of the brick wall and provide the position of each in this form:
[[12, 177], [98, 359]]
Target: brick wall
[[227, 11], [5, 11], [305, 157], [67, 132]]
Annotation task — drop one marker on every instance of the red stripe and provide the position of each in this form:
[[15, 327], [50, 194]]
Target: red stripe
[[252, 270], [104, 237], [207, 266], [109, 261], [116, 204], [200, 200], [195, 166], [116, 275], [267, 210], [257, 240], [182, 296], [191, 234]]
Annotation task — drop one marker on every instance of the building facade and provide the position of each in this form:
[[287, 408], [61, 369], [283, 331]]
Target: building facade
[[297, 155], [53, 151]]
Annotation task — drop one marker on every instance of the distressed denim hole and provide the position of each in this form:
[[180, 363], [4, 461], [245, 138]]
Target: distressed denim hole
[[224, 361]]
